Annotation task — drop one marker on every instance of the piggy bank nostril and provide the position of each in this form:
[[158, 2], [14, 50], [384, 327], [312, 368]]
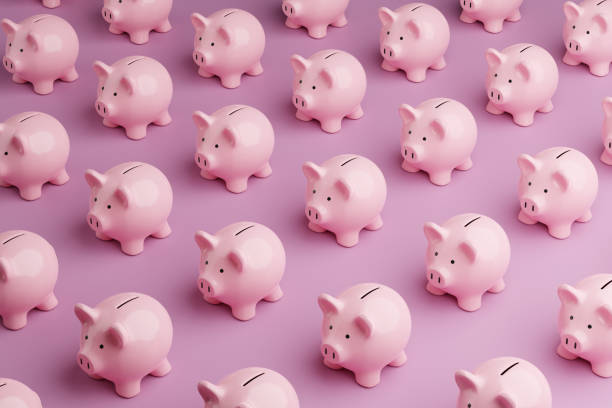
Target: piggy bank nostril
[[431, 276], [566, 341], [209, 289], [325, 350], [333, 356], [575, 345]]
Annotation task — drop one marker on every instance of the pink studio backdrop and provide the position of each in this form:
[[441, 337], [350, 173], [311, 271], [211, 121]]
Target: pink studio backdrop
[[208, 342]]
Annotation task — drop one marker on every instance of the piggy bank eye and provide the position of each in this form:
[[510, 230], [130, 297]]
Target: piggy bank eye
[[588, 32], [200, 38], [6, 153], [216, 146], [495, 75], [509, 81], [401, 38], [314, 191], [120, 1], [102, 88], [328, 198], [574, 27], [453, 261], [436, 253], [348, 336], [206, 262], [590, 326], [101, 346], [10, 44], [410, 132], [114, 93], [203, 139], [108, 206], [572, 317], [331, 327], [546, 190], [95, 199], [388, 32], [221, 270], [86, 337], [300, 81], [314, 87], [424, 139], [21, 50], [212, 44], [469, 405], [529, 183]]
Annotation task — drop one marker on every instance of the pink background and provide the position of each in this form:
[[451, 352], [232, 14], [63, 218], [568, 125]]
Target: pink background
[[284, 336]]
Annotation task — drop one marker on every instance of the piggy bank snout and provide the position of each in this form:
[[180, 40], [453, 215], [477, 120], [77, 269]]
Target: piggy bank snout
[[412, 153], [109, 14], [315, 213], [496, 95], [9, 64], [468, 4], [437, 278], [206, 287], [530, 205], [103, 108], [199, 57], [85, 364], [388, 51], [574, 46], [289, 8], [331, 354], [94, 222], [203, 161], [573, 342], [301, 101]]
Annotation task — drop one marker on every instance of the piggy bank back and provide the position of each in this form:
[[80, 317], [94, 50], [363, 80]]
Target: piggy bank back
[[40, 49], [240, 265], [28, 273], [315, 15], [14, 394], [252, 387], [327, 87], [343, 195], [491, 13], [466, 256], [35, 149], [413, 38], [587, 35], [137, 18], [585, 322], [521, 80], [132, 93], [557, 187], [233, 144], [606, 133], [228, 43], [503, 382], [364, 329], [438, 136], [123, 339]]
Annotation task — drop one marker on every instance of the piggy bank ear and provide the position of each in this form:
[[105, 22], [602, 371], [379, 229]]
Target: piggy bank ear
[[202, 120], [494, 58], [9, 27], [118, 335], [34, 40], [226, 34], [329, 304], [434, 233], [206, 241], [415, 28], [94, 179], [20, 144], [210, 392], [561, 179], [605, 314], [230, 134], [467, 381], [344, 188], [468, 250], [198, 21], [386, 16], [569, 294], [5, 270], [236, 258], [524, 71], [572, 10], [328, 77], [102, 70], [312, 171], [85, 314], [506, 400], [408, 113], [365, 325], [607, 107], [528, 164], [438, 128], [122, 194], [603, 21], [299, 63], [129, 84]]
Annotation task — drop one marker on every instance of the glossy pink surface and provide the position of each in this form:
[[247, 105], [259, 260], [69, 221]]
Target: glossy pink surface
[[251, 387], [413, 38], [492, 13], [587, 35], [505, 382], [128, 203], [438, 136], [522, 79], [123, 339], [36, 148], [315, 15], [233, 144], [40, 49], [227, 44], [557, 187], [133, 93], [365, 329], [466, 256], [240, 265], [28, 273], [137, 17], [585, 322], [14, 394], [606, 132]]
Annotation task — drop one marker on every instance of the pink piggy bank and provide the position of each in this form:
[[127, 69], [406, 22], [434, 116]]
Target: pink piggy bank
[[413, 38], [28, 272], [132, 93], [252, 387], [315, 15], [14, 394], [491, 13], [364, 330], [240, 265], [438, 136], [557, 187], [128, 203], [585, 322], [137, 18], [34, 150], [507, 382], [344, 195], [466, 256], [521, 80], [123, 339], [587, 35], [40, 49], [327, 87], [606, 156], [233, 144], [228, 43]]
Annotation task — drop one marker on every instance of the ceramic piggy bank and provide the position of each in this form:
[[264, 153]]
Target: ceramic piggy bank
[[521, 81], [327, 87], [491, 13], [507, 382], [40, 50], [128, 203], [14, 394], [233, 144], [132, 93], [344, 195], [466, 256], [413, 38], [34, 149], [606, 134], [28, 272], [240, 265], [438, 136], [137, 17], [585, 322], [587, 35], [252, 387], [52, 3], [315, 15], [364, 330], [228, 43], [123, 339], [557, 187]]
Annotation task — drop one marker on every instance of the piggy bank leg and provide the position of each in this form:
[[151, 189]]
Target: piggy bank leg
[[276, 294], [569, 59], [211, 300], [387, 66], [470, 304], [375, 224], [256, 69], [302, 116], [108, 123], [348, 239], [133, 247], [602, 369], [417, 75], [441, 178], [19, 80], [586, 217], [439, 64], [331, 125], [289, 23], [231, 81], [605, 158], [399, 360], [207, 175], [466, 165], [491, 108], [494, 26], [548, 107], [51, 3], [409, 167], [525, 219], [499, 286], [340, 21], [332, 365], [30, 193], [433, 290], [563, 352], [43, 87], [164, 119], [514, 16], [15, 321], [466, 18], [314, 227], [204, 73], [601, 69], [236, 185], [356, 113], [243, 312], [136, 132], [102, 236], [163, 369], [128, 389], [368, 379], [139, 37], [61, 178], [266, 171], [113, 29], [164, 27], [70, 75], [49, 303], [560, 231], [318, 31], [523, 118], [163, 232]]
